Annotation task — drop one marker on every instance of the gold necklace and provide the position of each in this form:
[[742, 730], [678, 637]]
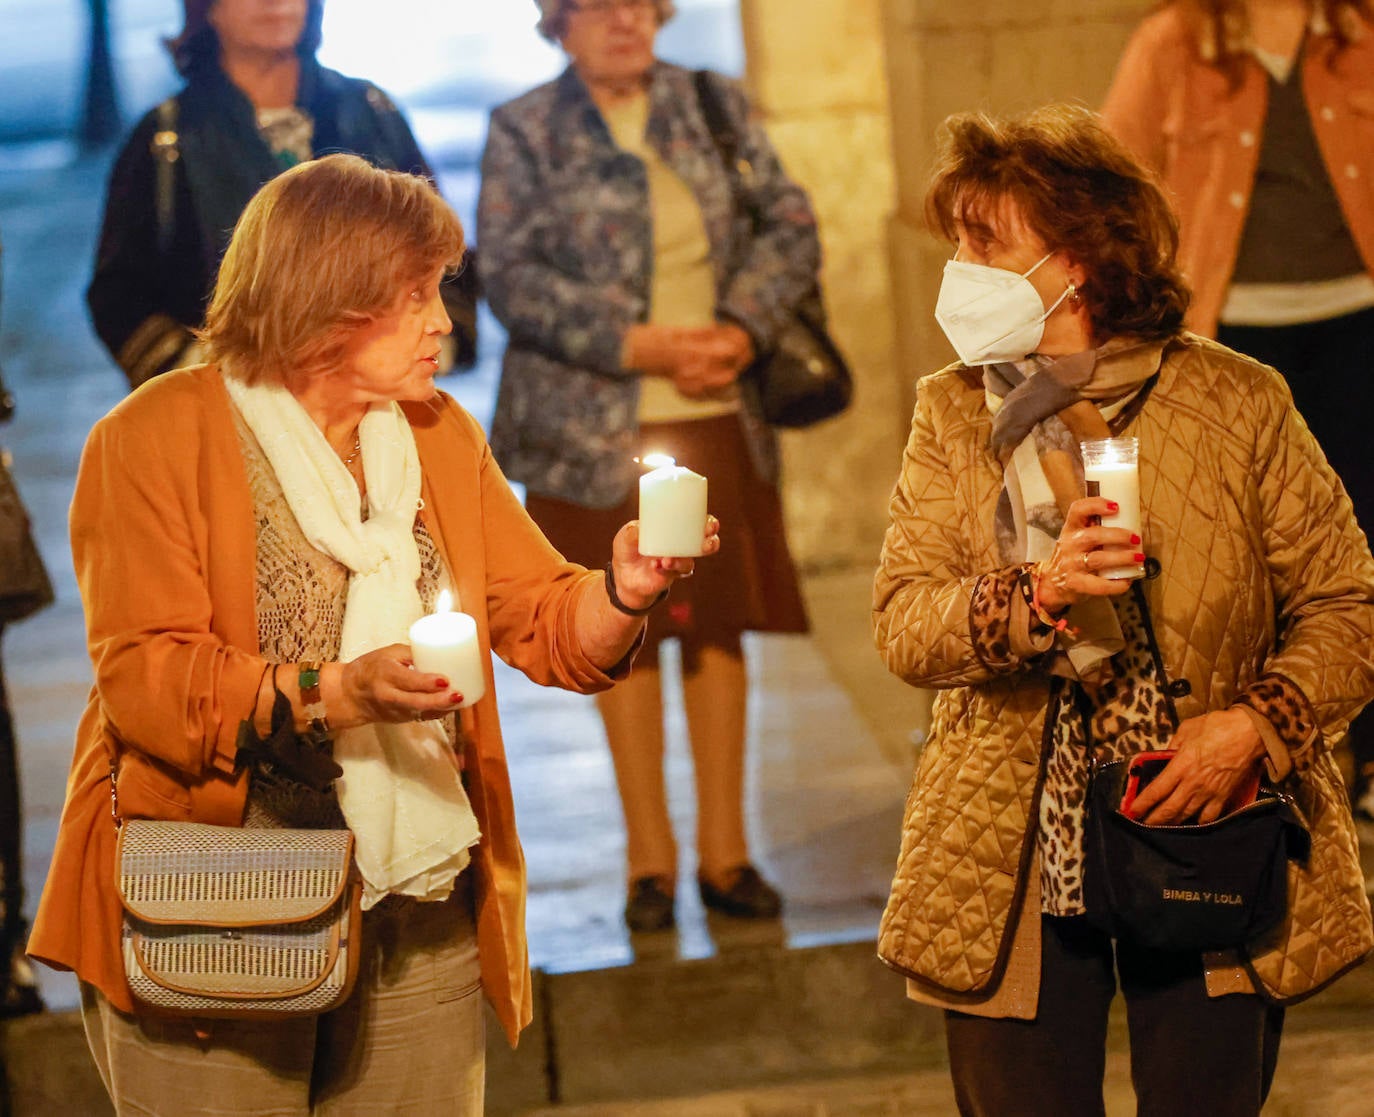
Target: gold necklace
[[357, 449]]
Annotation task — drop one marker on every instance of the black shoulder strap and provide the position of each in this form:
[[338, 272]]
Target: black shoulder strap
[[722, 128], [166, 148]]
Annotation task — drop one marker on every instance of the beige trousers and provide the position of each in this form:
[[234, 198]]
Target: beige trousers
[[409, 1041]]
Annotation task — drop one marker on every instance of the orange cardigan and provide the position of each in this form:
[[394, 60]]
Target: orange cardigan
[[164, 544], [1178, 115]]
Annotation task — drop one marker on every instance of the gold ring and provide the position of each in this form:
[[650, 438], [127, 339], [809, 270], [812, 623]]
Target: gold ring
[[1083, 558]]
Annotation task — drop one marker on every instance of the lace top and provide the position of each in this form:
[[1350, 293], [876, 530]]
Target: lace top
[[300, 594]]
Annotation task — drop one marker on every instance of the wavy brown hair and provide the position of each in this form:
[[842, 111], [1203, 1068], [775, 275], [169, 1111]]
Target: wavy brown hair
[[1221, 28], [1083, 194], [322, 250]]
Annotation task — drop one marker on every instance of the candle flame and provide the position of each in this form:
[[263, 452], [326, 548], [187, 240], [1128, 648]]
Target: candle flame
[[445, 603], [656, 461]]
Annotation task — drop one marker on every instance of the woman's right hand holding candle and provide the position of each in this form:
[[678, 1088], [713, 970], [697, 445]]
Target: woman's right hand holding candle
[[1086, 548], [381, 686]]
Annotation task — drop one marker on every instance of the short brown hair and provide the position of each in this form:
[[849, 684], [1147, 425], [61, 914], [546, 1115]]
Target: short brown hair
[[553, 16], [1083, 194], [320, 251]]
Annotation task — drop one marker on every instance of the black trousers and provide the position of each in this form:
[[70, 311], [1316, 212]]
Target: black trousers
[[1190, 1054], [1329, 366]]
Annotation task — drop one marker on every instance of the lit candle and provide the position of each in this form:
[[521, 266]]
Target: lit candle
[[1111, 469], [445, 643], [672, 509]]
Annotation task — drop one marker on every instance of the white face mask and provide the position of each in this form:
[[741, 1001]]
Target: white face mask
[[991, 314]]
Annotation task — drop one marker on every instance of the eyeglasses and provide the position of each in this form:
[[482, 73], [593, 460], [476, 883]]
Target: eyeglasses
[[607, 9]]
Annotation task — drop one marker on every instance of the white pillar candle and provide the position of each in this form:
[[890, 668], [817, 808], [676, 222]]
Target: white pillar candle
[[672, 510], [445, 643], [1112, 464]]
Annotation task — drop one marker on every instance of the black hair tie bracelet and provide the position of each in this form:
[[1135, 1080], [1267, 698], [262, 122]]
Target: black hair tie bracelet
[[615, 598]]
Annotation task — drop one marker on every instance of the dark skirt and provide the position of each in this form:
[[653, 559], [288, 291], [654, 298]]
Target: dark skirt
[[750, 585]]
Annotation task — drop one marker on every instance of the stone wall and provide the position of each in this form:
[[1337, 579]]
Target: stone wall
[[816, 72]]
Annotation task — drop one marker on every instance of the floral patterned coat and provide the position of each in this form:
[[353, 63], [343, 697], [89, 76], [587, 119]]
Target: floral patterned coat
[[566, 239]]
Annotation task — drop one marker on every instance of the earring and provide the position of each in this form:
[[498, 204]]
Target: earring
[[1074, 297]]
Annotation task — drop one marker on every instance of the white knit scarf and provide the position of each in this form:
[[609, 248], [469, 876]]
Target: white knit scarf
[[401, 792]]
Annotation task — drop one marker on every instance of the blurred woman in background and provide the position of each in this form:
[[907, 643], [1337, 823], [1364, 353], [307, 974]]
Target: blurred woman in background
[[636, 289], [255, 103]]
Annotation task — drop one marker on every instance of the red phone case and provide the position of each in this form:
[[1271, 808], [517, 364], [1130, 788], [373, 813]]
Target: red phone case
[[1144, 767]]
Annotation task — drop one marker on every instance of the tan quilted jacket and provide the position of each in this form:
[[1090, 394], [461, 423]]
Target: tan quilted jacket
[[1266, 585]]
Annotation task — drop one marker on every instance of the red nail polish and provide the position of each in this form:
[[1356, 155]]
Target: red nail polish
[[1139, 557], [454, 698], [442, 684], [1136, 540], [1113, 506]]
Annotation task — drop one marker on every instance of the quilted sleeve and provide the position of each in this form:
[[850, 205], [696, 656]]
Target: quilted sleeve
[[937, 621], [1321, 672]]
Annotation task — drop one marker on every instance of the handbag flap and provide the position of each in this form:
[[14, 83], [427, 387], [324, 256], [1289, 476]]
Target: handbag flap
[[252, 965], [187, 873]]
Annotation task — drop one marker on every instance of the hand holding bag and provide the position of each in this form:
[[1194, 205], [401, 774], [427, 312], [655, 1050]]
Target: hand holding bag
[[1212, 886], [804, 378]]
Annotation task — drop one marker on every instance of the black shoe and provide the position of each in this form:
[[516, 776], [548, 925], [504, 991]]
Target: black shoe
[[649, 906], [748, 895]]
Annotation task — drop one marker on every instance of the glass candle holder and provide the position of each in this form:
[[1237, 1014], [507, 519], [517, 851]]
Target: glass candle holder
[[1111, 469]]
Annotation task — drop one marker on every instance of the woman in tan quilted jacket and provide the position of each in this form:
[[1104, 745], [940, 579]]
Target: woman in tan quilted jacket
[[1247, 645]]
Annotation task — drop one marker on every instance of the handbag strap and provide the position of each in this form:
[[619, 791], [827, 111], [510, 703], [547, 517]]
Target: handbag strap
[[166, 150], [725, 137]]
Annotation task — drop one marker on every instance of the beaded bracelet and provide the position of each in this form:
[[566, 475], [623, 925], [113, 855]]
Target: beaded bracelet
[[627, 610], [317, 721], [1043, 615]]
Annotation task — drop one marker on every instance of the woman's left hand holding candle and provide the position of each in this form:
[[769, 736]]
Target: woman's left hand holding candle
[[610, 620], [641, 579]]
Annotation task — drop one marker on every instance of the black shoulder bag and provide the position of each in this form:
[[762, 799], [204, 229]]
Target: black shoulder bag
[[804, 378], [1209, 886]]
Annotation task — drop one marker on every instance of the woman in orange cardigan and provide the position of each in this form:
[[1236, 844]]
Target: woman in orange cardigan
[[247, 542]]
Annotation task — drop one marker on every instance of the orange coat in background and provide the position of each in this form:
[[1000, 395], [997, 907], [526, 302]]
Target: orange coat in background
[[164, 544], [1179, 116]]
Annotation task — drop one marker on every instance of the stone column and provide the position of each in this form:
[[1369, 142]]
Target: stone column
[[815, 71], [999, 55]]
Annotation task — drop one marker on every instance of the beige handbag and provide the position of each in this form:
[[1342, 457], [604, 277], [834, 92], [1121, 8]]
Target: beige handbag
[[222, 921]]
